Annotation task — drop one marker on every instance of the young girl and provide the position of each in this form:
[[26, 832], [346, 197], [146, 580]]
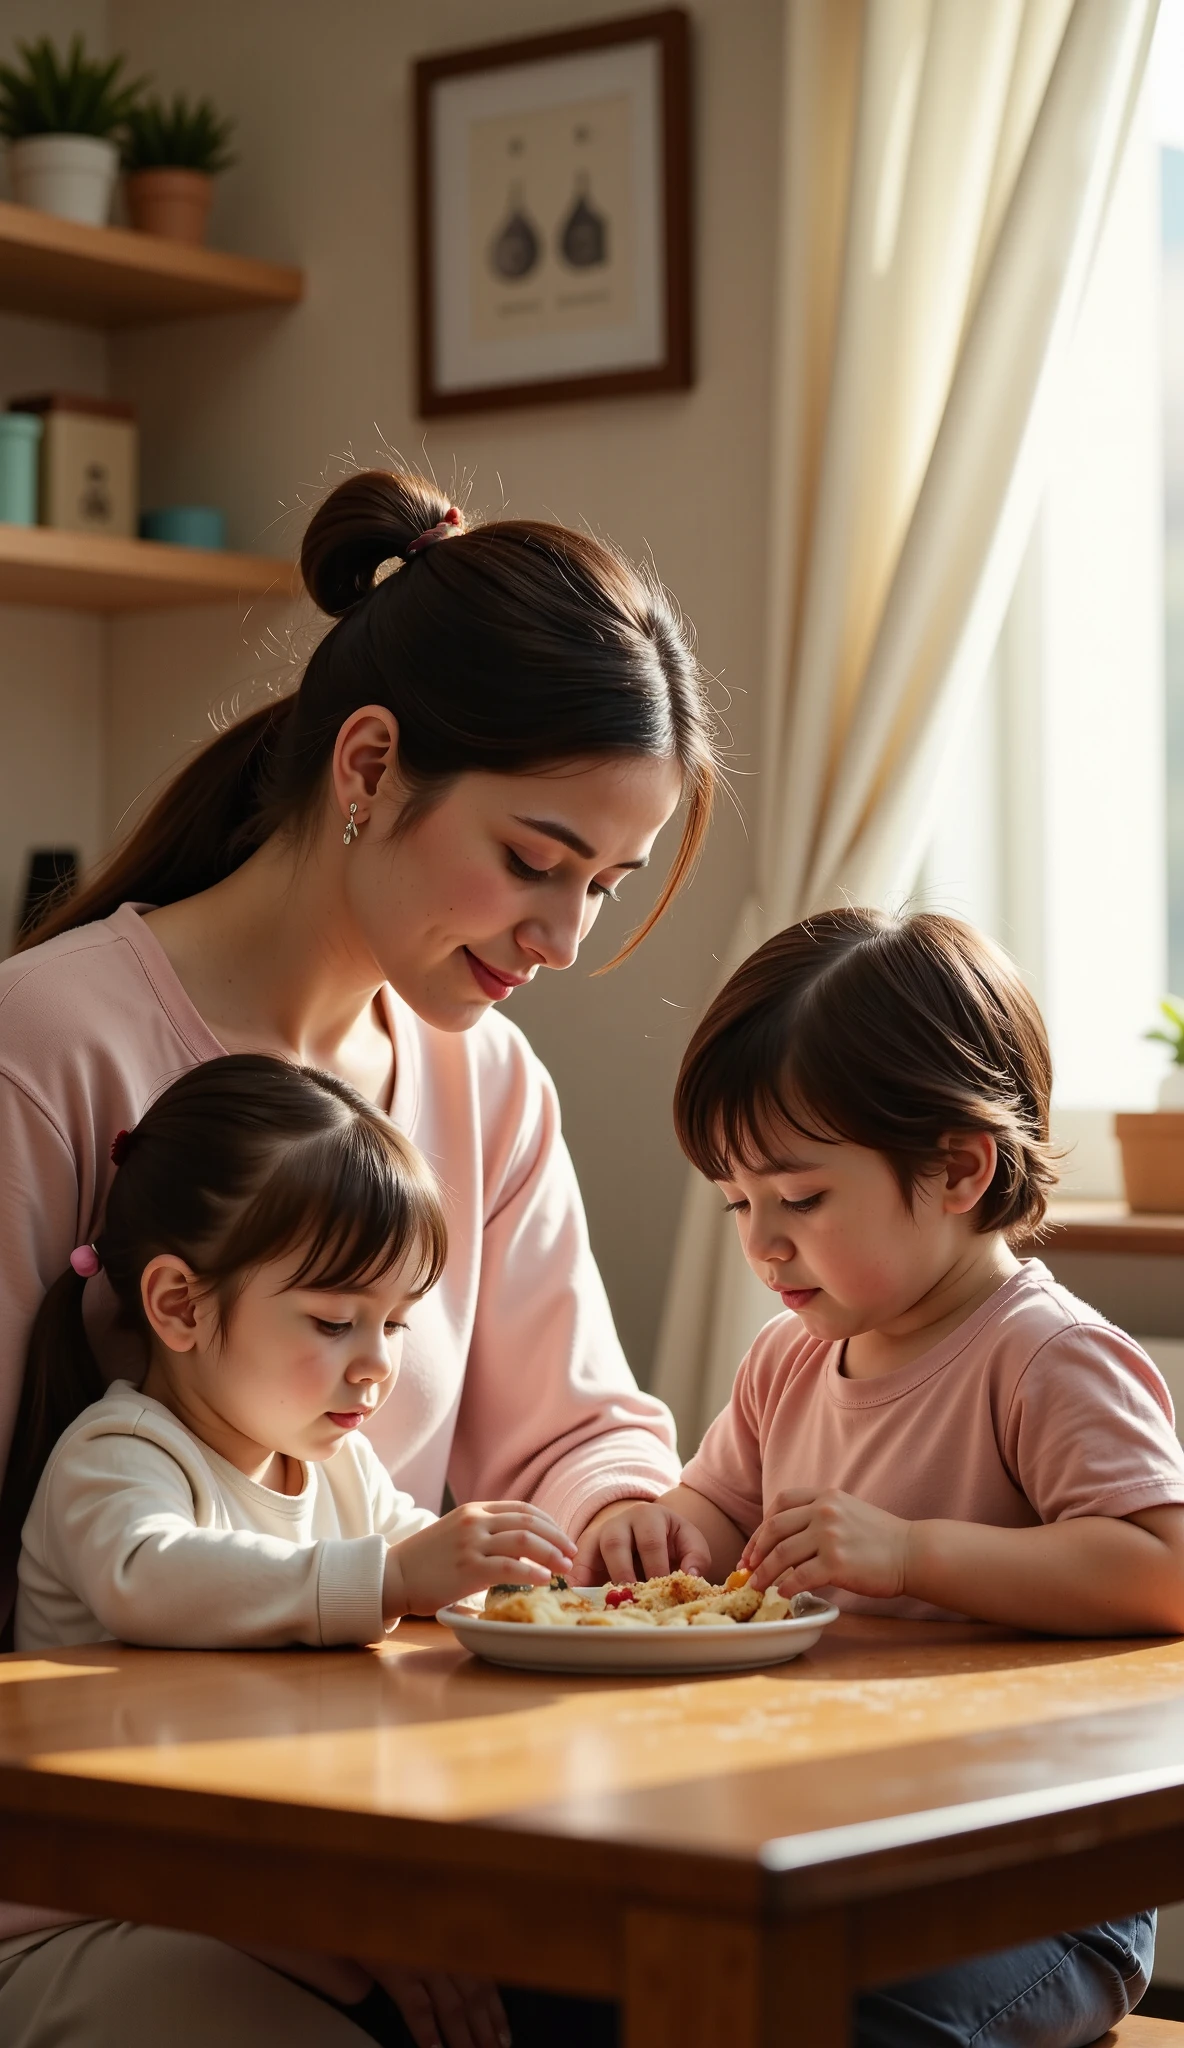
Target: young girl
[[266, 1234], [934, 1428]]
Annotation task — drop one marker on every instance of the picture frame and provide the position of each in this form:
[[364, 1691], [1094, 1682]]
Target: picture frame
[[553, 228]]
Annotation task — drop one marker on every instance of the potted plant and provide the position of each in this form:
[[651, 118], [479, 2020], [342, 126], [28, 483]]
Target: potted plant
[[1171, 1088], [1152, 1141], [60, 115], [171, 155]]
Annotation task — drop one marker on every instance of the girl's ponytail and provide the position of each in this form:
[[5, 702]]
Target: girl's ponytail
[[61, 1379]]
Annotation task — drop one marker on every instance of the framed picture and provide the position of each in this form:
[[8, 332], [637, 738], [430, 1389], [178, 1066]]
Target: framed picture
[[553, 217]]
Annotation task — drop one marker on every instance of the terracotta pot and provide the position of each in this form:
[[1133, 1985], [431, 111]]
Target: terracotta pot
[[1152, 1144], [1171, 1089], [172, 203]]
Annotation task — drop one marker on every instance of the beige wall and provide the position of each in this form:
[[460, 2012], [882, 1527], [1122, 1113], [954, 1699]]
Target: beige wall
[[52, 665], [253, 413], [53, 668], [52, 702]]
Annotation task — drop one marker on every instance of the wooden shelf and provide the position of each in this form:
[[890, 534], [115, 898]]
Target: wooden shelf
[[113, 277], [90, 572], [1110, 1227]]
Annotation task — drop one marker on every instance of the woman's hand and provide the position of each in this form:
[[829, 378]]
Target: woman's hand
[[444, 2011], [643, 1540], [484, 1543], [829, 1539]]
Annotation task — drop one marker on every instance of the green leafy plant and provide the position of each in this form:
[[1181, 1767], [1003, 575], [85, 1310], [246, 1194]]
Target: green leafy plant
[[1173, 1011], [180, 137], [70, 95]]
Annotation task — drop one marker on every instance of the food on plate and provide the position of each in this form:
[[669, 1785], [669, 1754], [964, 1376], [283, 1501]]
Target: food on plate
[[677, 1600]]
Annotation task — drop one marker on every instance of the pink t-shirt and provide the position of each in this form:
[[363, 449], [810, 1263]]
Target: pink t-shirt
[[1034, 1410]]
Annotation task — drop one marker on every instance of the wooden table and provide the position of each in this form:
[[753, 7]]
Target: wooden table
[[731, 1858]]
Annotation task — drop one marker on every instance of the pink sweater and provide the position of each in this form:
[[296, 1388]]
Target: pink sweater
[[513, 1384], [1035, 1409]]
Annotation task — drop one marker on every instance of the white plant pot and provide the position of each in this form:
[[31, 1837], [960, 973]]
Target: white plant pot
[[1171, 1089], [70, 175]]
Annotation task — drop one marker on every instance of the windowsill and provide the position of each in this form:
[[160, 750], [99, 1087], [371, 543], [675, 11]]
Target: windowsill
[[1109, 1226]]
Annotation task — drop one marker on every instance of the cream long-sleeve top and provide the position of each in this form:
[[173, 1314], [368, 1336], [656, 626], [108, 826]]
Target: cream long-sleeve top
[[140, 1533], [513, 1384]]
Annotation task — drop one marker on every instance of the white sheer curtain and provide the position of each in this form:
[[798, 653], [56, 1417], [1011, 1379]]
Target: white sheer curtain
[[947, 165]]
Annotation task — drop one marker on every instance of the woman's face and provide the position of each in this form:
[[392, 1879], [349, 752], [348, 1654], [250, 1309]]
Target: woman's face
[[504, 875]]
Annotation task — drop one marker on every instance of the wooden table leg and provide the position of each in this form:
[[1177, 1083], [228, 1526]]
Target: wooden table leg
[[693, 1981]]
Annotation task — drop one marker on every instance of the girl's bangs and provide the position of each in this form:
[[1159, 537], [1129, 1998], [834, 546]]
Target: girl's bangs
[[354, 1207]]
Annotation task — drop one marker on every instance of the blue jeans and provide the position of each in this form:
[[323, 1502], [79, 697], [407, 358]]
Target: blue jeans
[[1062, 1992]]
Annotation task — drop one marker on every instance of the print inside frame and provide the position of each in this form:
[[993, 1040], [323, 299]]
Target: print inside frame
[[553, 217]]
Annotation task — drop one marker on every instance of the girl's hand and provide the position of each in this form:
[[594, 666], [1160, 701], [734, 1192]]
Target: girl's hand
[[644, 1541], [484, 1543], [444, 2011], [829, 1539]]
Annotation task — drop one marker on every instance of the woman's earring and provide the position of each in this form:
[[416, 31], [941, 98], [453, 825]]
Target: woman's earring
[[351, 830]]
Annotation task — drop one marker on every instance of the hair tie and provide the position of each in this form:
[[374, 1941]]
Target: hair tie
[[120, 1146], [445, 529], [86, 1261]]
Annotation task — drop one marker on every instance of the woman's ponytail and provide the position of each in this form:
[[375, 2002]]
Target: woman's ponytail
[[62, 1378], [369, 519], [198, 830], [518, 646]]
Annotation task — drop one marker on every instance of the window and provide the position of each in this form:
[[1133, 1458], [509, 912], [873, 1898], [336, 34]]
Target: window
[[1063, 832]]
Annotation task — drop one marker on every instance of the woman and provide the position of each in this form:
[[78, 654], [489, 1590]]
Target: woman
[[486, 744]]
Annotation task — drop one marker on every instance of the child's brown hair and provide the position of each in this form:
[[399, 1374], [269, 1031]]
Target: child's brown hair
[[888, 1032], [240, 1162]]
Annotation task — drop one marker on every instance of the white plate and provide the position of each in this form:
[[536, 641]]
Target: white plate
[[742, 1647]]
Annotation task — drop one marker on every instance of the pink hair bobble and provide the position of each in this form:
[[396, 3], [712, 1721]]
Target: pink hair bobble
[[119, 1147], [86, 1262]]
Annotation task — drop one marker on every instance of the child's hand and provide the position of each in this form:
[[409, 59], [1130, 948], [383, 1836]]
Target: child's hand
[[445, 2011], [829, 1539], [644, 1541], [484, 1543]]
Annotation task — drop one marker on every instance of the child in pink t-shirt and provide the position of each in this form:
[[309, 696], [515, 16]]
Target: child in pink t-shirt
[[934, 1428]]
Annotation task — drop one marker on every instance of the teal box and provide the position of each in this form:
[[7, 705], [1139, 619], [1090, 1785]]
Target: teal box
[[185, 526], [20, 442]]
